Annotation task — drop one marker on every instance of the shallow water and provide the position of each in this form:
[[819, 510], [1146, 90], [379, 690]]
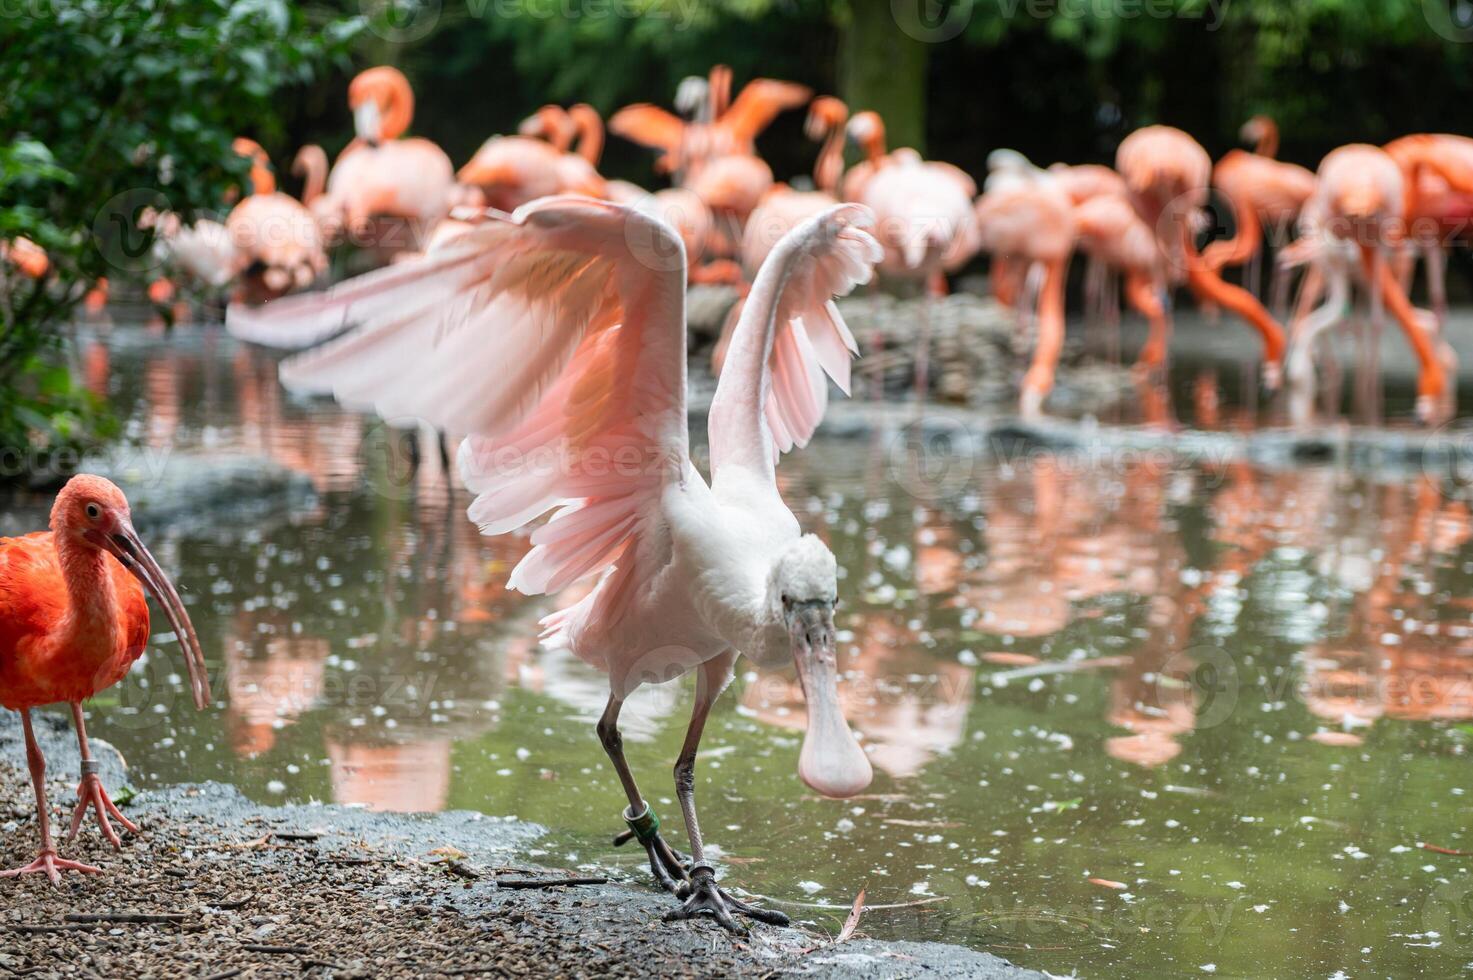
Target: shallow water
[[1241, 695]]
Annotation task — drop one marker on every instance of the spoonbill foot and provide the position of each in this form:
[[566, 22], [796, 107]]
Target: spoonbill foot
[[669, 866], [52, 866], [707, 897], [91, 795]]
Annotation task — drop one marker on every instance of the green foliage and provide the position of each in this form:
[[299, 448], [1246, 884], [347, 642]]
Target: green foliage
[[109, 107]]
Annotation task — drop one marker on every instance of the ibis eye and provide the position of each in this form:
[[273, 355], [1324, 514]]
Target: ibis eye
[[93, 512]]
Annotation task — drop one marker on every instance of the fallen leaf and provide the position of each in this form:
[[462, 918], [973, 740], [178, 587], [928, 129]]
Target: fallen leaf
[[851, 923]]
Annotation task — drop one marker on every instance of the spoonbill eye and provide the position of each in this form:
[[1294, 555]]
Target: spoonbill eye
[[93, 512]]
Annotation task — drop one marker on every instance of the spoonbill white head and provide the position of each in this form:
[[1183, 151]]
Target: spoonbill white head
[[802, 589]]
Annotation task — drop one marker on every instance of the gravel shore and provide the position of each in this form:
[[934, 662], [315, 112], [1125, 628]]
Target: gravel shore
[[217, 886]]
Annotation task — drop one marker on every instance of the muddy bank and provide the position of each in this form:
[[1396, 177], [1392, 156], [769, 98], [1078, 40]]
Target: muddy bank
[[242, 890]]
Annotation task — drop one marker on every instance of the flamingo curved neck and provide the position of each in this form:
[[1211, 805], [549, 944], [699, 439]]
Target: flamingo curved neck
[[829, 168], [1268, 140], [590, 130]]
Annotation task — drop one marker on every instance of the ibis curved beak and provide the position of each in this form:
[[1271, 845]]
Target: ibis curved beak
[[831, 760], [124, 545]]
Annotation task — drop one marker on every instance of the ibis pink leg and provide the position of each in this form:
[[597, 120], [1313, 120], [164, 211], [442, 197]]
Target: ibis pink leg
[[47, 862], [90, 793]]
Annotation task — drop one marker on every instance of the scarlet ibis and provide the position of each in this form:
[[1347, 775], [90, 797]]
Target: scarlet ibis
[[556, 337], [73, 618]]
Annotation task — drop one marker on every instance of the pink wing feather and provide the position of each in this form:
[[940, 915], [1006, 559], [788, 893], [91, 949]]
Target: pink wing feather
[[556, 339], [767, 405]]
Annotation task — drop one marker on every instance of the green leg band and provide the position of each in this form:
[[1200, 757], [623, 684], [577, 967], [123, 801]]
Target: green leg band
[[646, 826]]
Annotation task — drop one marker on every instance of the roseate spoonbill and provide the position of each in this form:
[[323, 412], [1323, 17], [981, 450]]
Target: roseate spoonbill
[[1438, 173], [1358, 207], [1264, 193], [278, 244], [407, 184], [73, 618], [1167, 173], [1027, 223], [576, 308]]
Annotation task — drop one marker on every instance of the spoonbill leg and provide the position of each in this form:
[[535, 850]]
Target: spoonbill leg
[[665, 864], [705, 896]]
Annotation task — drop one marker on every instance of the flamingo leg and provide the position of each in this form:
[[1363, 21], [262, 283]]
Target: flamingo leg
[[1039, 380], [47, 862], [665, 864], [91, 795], [705, 896]]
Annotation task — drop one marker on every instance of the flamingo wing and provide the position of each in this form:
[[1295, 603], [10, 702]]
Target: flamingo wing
[[649, 125], [556, 339], [772, 392], [759, 104]]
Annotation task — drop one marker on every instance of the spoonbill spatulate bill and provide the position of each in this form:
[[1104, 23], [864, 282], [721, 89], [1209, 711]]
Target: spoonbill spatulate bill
[[556, 340]]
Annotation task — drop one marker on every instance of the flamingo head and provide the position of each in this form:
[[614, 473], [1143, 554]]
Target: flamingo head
[[692, 96], [382, 103], [867, 131], [825, 114], [1259, 129], [263, 181], [803, 588], [92, 513]]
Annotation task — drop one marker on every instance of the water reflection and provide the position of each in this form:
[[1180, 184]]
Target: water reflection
[[1065, 668]]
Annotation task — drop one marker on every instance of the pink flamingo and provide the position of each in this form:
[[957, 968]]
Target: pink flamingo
[[277, 241], [923, 208], [1357, 210], [1027, 223], [385, 190], [1264, 193], [1110, 232], [586, 340], [715, 155], [509, 171], [1167, 174], [1438, 174]]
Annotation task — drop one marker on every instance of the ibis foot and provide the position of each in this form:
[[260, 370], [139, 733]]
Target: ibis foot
[[91, 795], [47, 862]]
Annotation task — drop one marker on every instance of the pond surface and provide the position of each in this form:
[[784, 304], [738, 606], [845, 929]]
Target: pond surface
[[1129, 716]]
